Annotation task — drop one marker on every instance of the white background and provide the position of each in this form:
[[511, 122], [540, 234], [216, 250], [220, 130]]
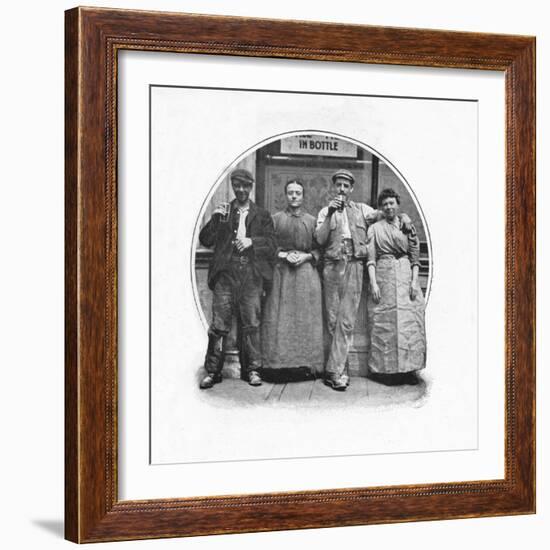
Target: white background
[[32, 274]]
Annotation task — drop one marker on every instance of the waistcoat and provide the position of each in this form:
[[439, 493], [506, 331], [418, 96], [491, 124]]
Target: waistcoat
[[357, 228]]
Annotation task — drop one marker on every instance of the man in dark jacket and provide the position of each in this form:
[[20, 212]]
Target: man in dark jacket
[[244, 248]]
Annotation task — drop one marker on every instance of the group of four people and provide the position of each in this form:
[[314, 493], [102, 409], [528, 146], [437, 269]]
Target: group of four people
[[281, 255]]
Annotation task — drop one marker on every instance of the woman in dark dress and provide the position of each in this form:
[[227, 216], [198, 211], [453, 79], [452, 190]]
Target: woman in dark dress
[[292, 326]]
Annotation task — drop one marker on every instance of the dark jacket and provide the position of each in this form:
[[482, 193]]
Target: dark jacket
[[220, 235]]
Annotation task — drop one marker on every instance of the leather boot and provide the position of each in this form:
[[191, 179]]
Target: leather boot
[[253, 356]]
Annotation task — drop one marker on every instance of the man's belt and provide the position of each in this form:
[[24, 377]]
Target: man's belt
[[347, 253], [240, 260], [390, 256]]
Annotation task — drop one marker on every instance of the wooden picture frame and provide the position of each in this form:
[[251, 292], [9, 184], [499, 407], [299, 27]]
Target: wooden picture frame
[[93, 511]]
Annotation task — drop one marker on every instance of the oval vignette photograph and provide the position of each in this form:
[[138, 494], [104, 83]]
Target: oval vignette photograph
[[312, 272]]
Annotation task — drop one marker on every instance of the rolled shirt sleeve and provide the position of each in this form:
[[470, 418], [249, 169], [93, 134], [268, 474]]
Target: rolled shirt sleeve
[[414, 247], [371, 247], [321, 217], [321, 232]]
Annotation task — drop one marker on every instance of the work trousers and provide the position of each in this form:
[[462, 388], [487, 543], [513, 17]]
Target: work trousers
[[238, 291], [342, 284]]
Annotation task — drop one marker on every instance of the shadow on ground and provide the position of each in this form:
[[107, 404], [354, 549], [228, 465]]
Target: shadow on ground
[[362, 392]]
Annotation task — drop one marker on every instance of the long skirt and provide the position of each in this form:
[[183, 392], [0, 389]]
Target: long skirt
[[292, 320], [396, 324]]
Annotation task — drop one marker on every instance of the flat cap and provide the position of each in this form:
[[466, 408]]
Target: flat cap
[[346, 174], [241, 175]]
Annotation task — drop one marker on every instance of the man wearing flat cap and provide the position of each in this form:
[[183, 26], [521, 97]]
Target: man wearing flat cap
[[244, 248], [342, 232]]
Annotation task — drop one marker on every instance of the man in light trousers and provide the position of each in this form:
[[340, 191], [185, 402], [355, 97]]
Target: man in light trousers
[[341, 231]]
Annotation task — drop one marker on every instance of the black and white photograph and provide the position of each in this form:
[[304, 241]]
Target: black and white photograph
[[309, 283]]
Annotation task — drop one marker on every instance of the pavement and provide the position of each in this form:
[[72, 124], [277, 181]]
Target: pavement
[[361, 391]]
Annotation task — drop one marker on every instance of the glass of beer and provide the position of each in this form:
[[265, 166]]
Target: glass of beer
[[342, 197], [226, 210]]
